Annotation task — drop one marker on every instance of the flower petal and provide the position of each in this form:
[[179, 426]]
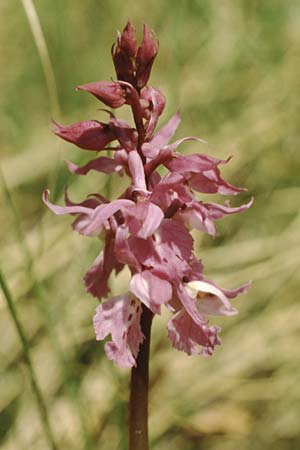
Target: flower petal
[[232, 293], [92, 201], [177, 237], [194, 163], [171, 193], [210, 182], [60, 210], [103, 213], [194, 217], [151, 290], [161, 158], [126, 135], [101, 164], [161, 138], [96, 278], [202, 173], [216, 211], [109, 92], [157, 102], [186, 335], [172, 251], [143, 250], [120, 317], [143, 218], [190, 306], [176, 144], [88, 134], [201, 216], [123, 251]]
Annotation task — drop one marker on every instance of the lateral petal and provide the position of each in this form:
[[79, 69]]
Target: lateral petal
[[60, 210]]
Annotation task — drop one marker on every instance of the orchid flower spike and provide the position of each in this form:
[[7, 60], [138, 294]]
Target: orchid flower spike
[[148, 228]]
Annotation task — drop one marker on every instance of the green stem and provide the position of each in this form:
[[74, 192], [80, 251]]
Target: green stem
[[138, 404], [27, 359]]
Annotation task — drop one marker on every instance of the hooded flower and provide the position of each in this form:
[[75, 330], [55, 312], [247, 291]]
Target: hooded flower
[[148, 227]]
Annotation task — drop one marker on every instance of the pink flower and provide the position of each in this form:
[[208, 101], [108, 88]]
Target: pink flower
[[148, 227]]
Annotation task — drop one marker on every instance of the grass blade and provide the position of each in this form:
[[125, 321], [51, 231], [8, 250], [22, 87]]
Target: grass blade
[[43, 52], [25, 347]]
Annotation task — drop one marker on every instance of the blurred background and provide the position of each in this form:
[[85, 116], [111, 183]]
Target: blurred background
[[232, 67]]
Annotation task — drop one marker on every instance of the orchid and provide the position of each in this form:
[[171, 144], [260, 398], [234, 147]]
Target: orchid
[[148, 227]]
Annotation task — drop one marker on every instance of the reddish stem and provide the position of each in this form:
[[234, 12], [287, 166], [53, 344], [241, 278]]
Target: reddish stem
[[138, 405], [137, 116]]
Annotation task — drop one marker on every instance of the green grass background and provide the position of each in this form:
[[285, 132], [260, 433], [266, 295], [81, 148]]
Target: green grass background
[[232, 67]]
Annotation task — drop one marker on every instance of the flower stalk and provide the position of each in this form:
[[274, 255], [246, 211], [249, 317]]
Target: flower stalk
[[139, 388]]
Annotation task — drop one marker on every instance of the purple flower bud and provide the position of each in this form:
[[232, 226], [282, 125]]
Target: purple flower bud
[[108, 92], [88, 134], [123, 65], [127, 41], [145, 57], [123, 54]]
